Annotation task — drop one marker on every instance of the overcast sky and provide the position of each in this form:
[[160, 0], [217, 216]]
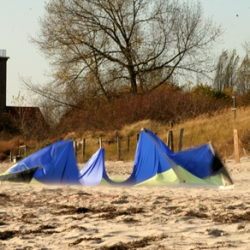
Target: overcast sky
[[19, 20]]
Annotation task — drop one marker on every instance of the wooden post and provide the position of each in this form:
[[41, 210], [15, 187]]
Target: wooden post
[[234, 107], [83, 147], [170, 140], [118, 149], [75, 147], [100, 142], [22, 150], [180, 139], [170, 137], [236, 147]]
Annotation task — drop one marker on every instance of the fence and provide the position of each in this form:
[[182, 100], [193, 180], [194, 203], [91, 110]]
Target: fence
[[119, 148]]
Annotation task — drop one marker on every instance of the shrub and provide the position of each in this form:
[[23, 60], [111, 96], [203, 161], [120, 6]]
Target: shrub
[[161, 105]]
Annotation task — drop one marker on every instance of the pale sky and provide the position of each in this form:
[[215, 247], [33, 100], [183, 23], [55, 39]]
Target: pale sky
[[19, 20]]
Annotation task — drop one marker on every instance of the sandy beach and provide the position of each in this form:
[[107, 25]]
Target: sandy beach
[[73, 217]]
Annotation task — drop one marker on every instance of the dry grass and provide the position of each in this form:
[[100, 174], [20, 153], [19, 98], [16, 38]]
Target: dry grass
[[11, 147], [8, 146], [217, 129], [135, 128]]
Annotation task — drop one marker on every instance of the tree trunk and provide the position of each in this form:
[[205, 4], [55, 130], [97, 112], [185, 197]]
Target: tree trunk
[[132, 75]]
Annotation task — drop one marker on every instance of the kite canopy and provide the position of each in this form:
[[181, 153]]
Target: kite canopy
[[24, 176], [154, 164], [58, 163], [93, 171], [196, 165]]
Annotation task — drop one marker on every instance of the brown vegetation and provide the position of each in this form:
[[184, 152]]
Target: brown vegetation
[[203, 114], [7, 147], [162, 105]]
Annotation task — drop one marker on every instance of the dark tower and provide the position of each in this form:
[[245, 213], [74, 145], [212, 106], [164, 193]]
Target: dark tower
[[3, 78]]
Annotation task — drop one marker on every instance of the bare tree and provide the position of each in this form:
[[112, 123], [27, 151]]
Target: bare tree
[[219, 81], [28, 121], [226, 71], [101, 46], [243, 76], [246, 46]]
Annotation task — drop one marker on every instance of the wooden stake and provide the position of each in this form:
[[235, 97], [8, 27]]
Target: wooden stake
[[236, 147], [75, 147], [100, 142], [118, 149], [180, 140], [83, 147]]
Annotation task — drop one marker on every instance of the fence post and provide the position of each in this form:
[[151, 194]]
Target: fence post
[[180, 140], [22, 150], [118, 148], [83, 147], [236, 147], [100, 142], [167, 142], [75, 147], [170, 138]]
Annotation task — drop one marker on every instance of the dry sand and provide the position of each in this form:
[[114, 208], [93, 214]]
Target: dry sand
[[70, 217]]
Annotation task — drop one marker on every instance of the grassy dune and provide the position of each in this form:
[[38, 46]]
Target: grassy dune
[[218, 129]]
